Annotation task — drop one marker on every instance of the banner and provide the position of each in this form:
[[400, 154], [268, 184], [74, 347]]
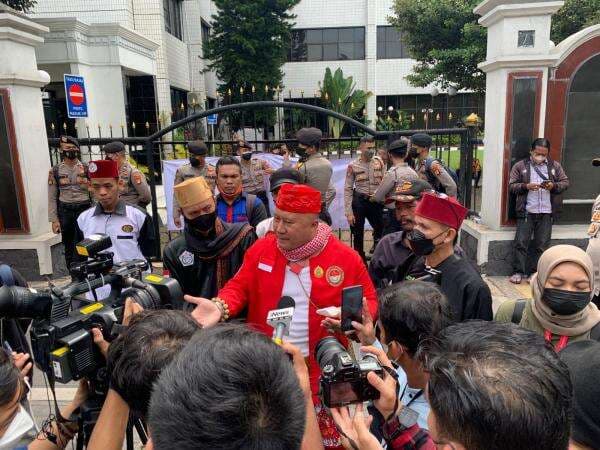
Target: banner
[[275, 161]]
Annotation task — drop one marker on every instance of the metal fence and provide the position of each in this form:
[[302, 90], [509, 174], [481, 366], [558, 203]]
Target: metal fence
[[454, 146]]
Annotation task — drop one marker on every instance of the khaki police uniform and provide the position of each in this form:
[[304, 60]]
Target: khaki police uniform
[[437, 177], [316, 171], [135, 190], [68, 196], [362, 180], [593, 248], [253, 179], [186, 172]]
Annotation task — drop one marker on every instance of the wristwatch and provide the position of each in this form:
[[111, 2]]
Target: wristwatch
[[405, 419]]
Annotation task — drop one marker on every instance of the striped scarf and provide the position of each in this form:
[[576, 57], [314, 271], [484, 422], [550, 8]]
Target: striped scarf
[[311, 248]]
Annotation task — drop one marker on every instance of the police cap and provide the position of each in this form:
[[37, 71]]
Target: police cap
[[243, 144], [64, 139], [309, 136], [410, 190], [114, 147], [282, 176], [398, 147], [197, 148], [422, 140]]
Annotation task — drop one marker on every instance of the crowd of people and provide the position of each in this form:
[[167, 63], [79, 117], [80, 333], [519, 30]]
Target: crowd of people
[[443, 372]]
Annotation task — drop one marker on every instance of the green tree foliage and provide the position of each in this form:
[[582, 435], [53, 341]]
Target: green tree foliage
[[248, 46], [339, 94], [20, 5], [448, 43]]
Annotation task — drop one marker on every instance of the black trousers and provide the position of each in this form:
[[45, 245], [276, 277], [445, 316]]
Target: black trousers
[[263, 198], [540, 227], [67, 216], [363, 208], [390, 223]]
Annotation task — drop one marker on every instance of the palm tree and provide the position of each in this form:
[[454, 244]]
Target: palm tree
[[340, 95]]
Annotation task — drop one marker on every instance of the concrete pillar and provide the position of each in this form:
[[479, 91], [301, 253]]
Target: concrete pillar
[[20, 75], [371, 59]]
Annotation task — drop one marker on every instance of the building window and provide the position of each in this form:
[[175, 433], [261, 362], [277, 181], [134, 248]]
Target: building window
[[205, 30], [179, 103], [327, 44], [172, 11], [389, 44]]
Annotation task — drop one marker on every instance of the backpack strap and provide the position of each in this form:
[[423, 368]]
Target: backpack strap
[[595, 333], [6, 276], [517, 314], [250, 199]]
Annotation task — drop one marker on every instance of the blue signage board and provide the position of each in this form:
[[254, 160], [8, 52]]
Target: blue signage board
[[76, 96], [212, 119]]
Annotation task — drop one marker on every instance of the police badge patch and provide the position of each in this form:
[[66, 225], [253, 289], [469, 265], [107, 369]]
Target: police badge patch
[[186, 258]]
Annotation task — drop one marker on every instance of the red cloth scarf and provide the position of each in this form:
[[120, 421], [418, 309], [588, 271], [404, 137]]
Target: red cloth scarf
[[229, 198], [312, 247]]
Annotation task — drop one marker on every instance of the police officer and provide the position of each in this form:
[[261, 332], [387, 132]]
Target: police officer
[[253, 173], [134, 189], [315, 170], [393, 182], [363, 177], [593, 248], [68, 194], [129, 226], [431, 169], [197, 167]]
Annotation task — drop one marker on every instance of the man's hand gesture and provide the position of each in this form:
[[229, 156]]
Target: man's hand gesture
[[206, 313]]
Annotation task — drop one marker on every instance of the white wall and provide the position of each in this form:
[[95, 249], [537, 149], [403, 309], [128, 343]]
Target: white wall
[[89, 11]]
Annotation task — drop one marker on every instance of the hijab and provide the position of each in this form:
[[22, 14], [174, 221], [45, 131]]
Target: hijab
[[574, 324]]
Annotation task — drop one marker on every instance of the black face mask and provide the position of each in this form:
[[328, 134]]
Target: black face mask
[[194, 161], [566, 303], [301, 152], [414, 153], [420, 244], [70, 154], [247, 156], [202, 224]]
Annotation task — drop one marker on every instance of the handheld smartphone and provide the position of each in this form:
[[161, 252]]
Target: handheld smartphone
[[7, 349], [352, 298]]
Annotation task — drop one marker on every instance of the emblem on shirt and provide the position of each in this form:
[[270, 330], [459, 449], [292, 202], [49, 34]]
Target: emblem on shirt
[[186, 258], [596, 216], [92, 167], [127, 228], [335, 276], [319, 272], [593, 229]]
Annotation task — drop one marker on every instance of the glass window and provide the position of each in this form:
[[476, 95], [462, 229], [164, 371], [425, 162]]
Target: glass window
[[172, 13], [389, 44], [327, 44], [205, 32]]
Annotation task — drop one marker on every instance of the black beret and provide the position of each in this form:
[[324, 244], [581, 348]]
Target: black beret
[[282, 176], [197, 148], [422, 140], [398, 147], [410, 190], [114, 147], [309, 136], [583, 360], [69, 139], [243, 144]]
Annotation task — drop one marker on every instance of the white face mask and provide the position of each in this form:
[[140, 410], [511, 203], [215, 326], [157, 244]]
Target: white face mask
[[18, 432], [539, 159]]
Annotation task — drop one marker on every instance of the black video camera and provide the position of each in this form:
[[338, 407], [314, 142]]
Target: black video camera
[[343, 379], [61, 340]]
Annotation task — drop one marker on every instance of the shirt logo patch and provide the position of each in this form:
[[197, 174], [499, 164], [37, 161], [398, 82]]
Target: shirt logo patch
[[596, 216], [319, 272], [334, 275], [187, 259], [127, 228]]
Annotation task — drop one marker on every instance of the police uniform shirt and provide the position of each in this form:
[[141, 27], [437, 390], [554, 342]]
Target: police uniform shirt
[[363, 178], [188, 171], [593, 248], [393, 180], [253, 175], [70, 185], [129, 227], [135, 190], [316, 171], [439, 175]]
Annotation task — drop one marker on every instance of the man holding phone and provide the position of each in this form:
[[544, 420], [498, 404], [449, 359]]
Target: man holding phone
[[538, 183]]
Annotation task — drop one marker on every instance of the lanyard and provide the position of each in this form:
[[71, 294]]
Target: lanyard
[[562, 342], [417, 395]]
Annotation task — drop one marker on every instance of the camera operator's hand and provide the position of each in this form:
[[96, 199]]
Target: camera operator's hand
[[355, 429], [206, 313], [131, 309], [299, 367], [23, 362], [100, 341], [387, 386]]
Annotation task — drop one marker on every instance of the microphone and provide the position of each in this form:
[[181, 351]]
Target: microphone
[[281, 318], [596, 162]]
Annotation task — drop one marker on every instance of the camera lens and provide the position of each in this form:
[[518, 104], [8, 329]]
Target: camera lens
[[326, 350], [147, 298]]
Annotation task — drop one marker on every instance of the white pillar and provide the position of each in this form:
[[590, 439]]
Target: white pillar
[[20, 75], [371, 60]]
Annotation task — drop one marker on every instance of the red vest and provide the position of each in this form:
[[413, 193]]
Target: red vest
[[259, 283]]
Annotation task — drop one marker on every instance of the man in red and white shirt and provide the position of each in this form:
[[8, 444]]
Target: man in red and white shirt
[[301, 259]]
